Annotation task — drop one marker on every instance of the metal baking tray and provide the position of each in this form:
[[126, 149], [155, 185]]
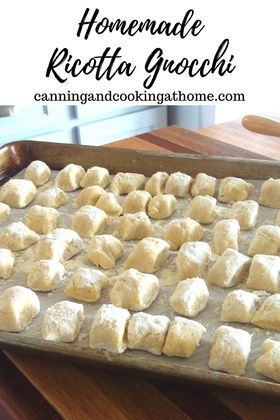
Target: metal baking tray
[[15, 156]]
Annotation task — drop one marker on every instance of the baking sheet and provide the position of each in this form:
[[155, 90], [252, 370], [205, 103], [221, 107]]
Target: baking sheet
[[194, 367], [15, 156]]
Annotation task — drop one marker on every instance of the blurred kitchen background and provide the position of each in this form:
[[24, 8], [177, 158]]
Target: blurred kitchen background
[[101, 124]]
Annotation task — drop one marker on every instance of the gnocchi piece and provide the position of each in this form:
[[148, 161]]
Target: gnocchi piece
[[245, 212], [45, 275], [89, 196], [38, 172], [4, 212], [268, 315], [63, 321], [202, 209], [42, 219], [183, 337], [108, 330], [134, 226], [156, 183], [108, 203], [230, 350], [266, 241], [69, 178], [147, 332], [229, 269], [59, 244], [162, 206], [178, 184], [234, 189], [148, 255], [192, 259], [7, 260], [125, 182], [136, 201], [86, 285], [239, 306], [18, 306], [179, 231], [270, 193], [104, 251], [264, 273], [225, 235], [134, 290], [277, 221], [17, 193], [89, 221], [95, 176], [204, 184], [52, 197], [190, 297], [17, 236], [268, 363]]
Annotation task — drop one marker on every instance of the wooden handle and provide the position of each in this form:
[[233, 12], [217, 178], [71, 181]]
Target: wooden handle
[[261, 125]]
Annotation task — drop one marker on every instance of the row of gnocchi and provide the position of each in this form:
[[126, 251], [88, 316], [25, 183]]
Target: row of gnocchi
[[114, 330], [73, 177]]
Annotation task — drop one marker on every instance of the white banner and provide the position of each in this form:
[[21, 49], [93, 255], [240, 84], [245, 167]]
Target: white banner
[[146, 52]]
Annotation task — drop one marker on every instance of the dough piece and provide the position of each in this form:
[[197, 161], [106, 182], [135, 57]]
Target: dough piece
[[183, 337], [17, 193], [108, 331], [17, 236], [270, 193], [52, 197], [156, 183], [148, 255], [269, 362], [147, 332], [108, 203], [266, 241], [4, 212], [59, 244], [104, 251], [42, 219], [245, 212], [86, 285], [162, 206], [95, 176], [18, 306], [277, 222], [192, 259], [89, 221], [7, 260], [38, 172], [229, 269], [179, 231], [204, 184], [89, 196], [202, 209], [125, 182], [45, 275], [190, 297], [264, 273], [136, 201], [69, 178], [225, 235], [268, 316], [134, 290], [234, 189], [178, 184], [230, 350], [239, 306], [134, 226], [63, 321]]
